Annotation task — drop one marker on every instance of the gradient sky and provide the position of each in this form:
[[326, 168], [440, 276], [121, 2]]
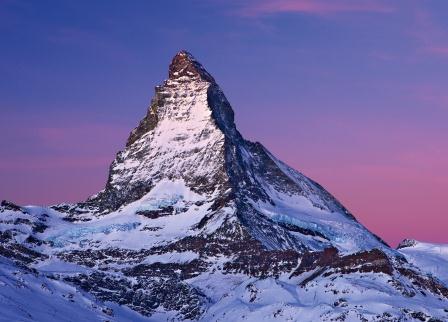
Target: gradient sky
[[352, 93]]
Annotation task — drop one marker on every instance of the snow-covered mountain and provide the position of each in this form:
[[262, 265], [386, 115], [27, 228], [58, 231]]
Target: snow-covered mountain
[[431, 258], [197, 223]]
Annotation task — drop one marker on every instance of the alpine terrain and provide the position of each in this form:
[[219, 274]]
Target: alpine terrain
[[197, 223]]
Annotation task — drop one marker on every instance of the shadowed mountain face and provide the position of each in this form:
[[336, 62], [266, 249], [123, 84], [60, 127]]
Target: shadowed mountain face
[[195, 222]]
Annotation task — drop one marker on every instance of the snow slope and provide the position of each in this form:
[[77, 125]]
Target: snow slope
[[431, 258], [27, 296]]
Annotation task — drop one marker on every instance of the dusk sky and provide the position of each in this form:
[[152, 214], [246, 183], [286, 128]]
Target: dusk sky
[[353, 93]]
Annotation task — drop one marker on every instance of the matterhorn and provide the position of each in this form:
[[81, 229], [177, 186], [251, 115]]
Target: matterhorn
[[197, 223]]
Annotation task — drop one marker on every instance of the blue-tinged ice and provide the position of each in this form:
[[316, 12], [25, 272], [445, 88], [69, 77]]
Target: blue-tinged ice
[[74, 234], [157, 204], [326, 231]]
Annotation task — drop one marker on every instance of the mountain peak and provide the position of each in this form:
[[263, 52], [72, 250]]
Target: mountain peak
[[407, 243], [185, 67], [188, 135]]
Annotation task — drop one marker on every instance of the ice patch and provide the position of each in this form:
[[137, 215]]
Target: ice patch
[[156, 204], [73, 234], [303, 224], [168, 193]]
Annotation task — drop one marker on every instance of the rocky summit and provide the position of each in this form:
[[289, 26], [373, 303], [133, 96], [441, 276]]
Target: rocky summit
[[197, 223]]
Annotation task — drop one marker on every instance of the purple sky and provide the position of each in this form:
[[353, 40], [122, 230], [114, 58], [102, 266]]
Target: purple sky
[[351, 92]]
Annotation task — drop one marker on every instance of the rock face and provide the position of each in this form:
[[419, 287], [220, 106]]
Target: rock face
[[197, 223]]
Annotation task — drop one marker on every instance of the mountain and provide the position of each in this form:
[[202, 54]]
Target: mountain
[[431, 258], [197, 223]]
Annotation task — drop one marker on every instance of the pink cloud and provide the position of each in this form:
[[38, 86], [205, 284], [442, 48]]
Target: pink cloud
[[439, 50], [429, 34], [435, 96], [318, 7]]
